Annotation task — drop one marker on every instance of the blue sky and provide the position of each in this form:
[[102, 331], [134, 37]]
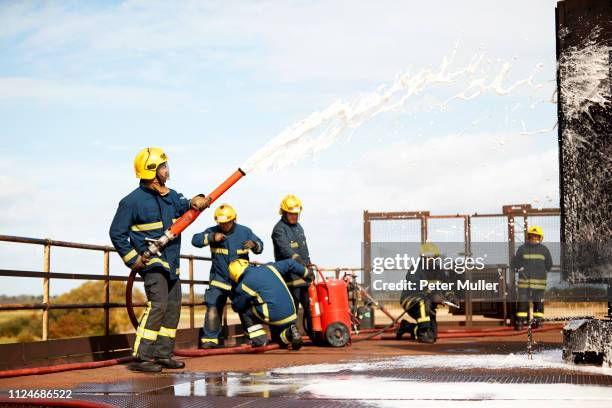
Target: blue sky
[[85, 85]]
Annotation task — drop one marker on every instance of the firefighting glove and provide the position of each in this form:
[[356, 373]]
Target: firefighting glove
[[437, 298], [452, 298], [249, 244], [141, 262], [199, 203], [298, 259], [310, 274]]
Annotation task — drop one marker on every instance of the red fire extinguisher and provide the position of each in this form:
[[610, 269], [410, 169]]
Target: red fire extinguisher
[[329, 308]]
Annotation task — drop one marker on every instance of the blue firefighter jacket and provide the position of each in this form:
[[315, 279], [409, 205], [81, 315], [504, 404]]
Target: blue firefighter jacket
[[289, 243], [224, 252], [144, 213], [263, 290]]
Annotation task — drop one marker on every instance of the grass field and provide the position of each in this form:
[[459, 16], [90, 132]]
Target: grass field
[[11, 314]]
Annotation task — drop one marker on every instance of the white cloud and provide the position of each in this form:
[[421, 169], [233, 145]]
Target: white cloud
[[338, 40], [40, 90]]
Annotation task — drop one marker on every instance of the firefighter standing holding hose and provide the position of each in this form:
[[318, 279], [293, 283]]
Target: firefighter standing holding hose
[[262, 297], [420, 304], [144, 215], [289, 242], [228, 241], [532, 261]]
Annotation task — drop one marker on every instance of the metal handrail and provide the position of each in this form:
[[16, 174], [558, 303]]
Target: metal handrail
[[47, 275]]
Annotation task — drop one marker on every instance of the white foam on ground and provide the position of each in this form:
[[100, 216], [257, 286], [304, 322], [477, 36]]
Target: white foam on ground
[[395, 393], [545, 359]]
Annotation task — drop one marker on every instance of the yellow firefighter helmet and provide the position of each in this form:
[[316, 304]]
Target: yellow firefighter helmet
[[225, 213], [147, 161], [535, 230], [236, 268], [430, 250], [290, 204]]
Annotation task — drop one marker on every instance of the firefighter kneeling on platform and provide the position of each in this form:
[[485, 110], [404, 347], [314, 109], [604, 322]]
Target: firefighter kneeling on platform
[[421, 304], [261, 297], [532, 261]]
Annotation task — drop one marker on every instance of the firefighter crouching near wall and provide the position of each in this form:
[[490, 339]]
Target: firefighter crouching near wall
[[262, 297], [421, 304], [228, 241], [289, 242], [532, 261], [144, 214]]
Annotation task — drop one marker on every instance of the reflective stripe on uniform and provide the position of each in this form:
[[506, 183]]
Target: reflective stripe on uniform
[[209, 340], [164, 331], [538, 314], [257, 333], [294, 245], [129, 256], [534, 256], [264, 305], [283, 336], [276, 322], [521, 314], [407, 303], [178, 271], [294, 282], [256, 330], [147, 227], [423, 318], [158, 261], [221, 285], [223, 251], [532, 283], [141, 325], [147, 334], [242, 251], [284, 321], [205, 239]]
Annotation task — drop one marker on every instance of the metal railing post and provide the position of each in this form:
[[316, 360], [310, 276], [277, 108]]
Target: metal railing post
[[367, 248], [46, 269], [106, 293], [191, 296]]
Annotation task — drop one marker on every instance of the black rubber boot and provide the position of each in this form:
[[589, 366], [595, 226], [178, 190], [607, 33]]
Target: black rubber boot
[[425, 334], [295, 337], [145, 366], [259, 341], [170, 363], [405, 327], [209, 345]]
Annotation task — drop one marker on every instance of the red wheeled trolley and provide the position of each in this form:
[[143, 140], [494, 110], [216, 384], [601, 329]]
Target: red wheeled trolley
[[329, 307]]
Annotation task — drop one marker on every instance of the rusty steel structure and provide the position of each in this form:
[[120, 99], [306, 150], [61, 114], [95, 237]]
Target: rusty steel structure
[[513, 217]]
